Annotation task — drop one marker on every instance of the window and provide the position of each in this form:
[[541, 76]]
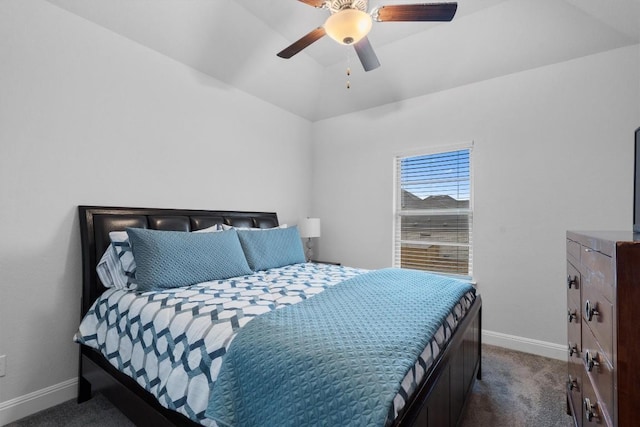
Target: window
[[434, 212]]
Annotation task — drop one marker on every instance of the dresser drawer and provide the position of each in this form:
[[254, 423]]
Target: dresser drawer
[[599, 272], [573, 250], [591, 407], [597, 314], [598, 371], [573, 284], [575, 339], [574, 330], [574, 391]]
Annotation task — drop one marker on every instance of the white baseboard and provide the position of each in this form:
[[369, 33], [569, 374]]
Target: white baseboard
[[23, 406], [527, 345]]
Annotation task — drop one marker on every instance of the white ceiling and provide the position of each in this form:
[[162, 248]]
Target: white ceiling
[[236, 41]]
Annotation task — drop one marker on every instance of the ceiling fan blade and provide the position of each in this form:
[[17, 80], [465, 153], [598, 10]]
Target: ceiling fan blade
[[417, 12], [305, 41], [366, 54], [314, 3]]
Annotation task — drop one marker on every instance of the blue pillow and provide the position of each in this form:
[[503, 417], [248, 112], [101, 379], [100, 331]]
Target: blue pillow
[[170, 259], [272, 247]]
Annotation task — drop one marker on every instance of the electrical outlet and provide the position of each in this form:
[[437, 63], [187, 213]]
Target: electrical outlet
[[3, 365]]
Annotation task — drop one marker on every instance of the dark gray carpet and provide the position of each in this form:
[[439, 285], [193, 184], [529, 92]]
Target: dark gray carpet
[[516, 390], [97, 412]]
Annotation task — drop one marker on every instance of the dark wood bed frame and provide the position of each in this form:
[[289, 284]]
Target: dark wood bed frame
[[439, 401]]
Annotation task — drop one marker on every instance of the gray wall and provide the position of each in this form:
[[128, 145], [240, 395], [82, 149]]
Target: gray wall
[[88, 117], [553, 150]]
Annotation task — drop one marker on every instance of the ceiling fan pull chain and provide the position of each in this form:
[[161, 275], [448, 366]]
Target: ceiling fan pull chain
[[348, 71]]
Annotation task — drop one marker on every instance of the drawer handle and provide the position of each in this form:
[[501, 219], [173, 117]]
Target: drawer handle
[[573, 383], [591, 359], [590, 310], [573, 349], [572, 281], [572, 315], [589, 409]]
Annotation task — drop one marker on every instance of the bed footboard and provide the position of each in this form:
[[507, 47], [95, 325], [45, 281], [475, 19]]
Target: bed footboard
[[442, 398]]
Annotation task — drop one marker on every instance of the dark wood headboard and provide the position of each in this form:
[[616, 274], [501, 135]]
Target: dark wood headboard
[[97, 221]]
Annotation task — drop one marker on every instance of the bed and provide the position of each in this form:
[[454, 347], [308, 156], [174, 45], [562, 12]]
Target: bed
[[437, 398]]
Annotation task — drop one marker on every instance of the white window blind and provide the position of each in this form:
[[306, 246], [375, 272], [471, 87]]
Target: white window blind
[[434, 212]]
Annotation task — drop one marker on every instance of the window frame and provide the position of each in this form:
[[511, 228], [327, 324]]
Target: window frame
[[397, 203]]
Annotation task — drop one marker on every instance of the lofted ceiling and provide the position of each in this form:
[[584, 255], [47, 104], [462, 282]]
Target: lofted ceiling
[[236, 41]]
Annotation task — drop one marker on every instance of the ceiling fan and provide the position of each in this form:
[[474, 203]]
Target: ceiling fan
[[349, 24]]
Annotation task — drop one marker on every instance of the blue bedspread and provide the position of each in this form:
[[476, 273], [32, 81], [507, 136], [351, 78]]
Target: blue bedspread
[[335, 359]]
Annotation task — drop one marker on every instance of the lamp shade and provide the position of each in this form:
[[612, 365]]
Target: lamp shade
[[309, 227], [348, 26]]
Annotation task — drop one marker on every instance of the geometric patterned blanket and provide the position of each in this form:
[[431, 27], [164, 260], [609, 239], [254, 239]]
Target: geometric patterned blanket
[[339, 357], [173, 342]]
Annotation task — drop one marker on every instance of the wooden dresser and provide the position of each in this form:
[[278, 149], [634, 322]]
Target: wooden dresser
[[603, 313]]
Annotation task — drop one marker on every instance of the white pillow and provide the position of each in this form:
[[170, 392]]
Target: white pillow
[[211, 229], [117, 268], [230, 227]]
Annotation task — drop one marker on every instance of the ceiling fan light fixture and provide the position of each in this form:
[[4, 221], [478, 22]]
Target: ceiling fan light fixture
[[348, 26]]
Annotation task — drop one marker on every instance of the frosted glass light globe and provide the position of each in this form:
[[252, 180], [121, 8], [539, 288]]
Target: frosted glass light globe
[[348, 26]]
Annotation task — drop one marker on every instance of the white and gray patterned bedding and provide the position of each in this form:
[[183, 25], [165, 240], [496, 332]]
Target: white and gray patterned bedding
[[172, 342]]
